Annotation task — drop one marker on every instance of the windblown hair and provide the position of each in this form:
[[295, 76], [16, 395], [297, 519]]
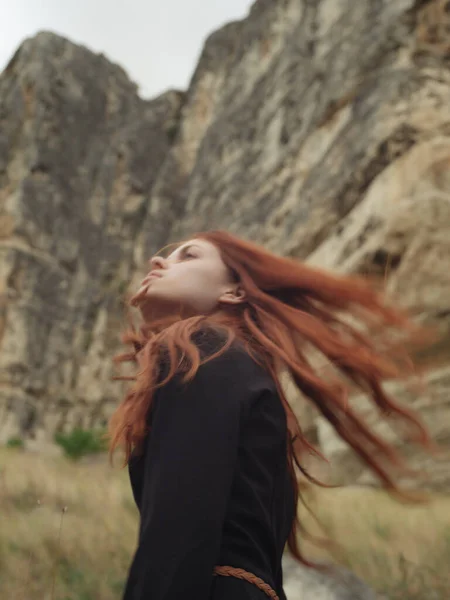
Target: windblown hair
[[292, 314]]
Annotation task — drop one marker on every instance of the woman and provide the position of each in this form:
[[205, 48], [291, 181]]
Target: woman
[[212, 444]]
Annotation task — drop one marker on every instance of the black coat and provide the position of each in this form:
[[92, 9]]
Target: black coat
[[212, 485]]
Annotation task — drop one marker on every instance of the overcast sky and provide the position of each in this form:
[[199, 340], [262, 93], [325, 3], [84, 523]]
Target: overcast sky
[[157, 41]]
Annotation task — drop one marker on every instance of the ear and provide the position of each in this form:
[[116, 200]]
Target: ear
[[234, 296]]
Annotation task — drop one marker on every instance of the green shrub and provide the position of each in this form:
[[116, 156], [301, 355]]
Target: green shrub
[[81, 442], [15, 442]]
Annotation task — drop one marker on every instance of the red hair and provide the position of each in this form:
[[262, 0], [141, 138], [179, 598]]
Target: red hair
[[290, 309]]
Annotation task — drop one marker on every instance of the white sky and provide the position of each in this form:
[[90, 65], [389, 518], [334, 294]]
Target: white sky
[[158, 42]]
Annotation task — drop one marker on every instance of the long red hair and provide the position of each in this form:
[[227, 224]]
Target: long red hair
[[291, 310]]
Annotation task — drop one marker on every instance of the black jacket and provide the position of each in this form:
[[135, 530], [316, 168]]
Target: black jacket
[[212, 485]]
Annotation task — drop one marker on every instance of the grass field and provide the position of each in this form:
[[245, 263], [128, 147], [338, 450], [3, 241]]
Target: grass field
[[400, 549], [68, 532]]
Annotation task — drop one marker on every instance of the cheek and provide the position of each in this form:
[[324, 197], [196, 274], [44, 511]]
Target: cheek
[[198, 283], [199, 286]]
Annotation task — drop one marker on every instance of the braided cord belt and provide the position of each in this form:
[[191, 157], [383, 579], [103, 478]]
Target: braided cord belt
[[250, 577]]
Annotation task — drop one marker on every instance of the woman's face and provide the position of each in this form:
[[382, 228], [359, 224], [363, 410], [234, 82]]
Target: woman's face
[[192, 280]]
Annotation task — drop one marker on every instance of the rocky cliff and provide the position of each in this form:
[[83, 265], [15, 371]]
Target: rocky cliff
[[80, 153], [321, 129]]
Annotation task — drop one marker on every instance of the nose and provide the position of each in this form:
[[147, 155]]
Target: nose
[[157, 262]]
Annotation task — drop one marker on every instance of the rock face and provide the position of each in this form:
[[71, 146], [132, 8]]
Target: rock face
[[321, 129], [433, 404], [79, 153]]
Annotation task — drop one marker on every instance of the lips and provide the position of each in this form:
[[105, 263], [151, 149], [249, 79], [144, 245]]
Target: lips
[[140, 294], [150, 276]]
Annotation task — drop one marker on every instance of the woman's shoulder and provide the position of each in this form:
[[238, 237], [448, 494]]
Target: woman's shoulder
[[227, 372], [234, 356], [211, 340], [219, 357]]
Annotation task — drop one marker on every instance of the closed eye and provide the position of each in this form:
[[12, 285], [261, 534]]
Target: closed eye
[[186, 253]]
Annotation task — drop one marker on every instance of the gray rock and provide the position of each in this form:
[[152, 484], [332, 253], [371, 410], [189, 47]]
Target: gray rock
[[433, 406], [79, 154], [302, 582], [320, 129]]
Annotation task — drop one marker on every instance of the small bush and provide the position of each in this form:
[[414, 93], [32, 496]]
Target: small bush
[[14, 442], [81, 442]]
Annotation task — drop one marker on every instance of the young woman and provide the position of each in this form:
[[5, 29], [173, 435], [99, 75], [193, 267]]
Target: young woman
[[212, 445]]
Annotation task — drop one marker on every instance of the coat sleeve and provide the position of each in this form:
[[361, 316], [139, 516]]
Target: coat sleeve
[[189, 466]]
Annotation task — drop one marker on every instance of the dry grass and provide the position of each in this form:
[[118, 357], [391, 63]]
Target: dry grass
[[400, 549], [85, 550], [72, 525]]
